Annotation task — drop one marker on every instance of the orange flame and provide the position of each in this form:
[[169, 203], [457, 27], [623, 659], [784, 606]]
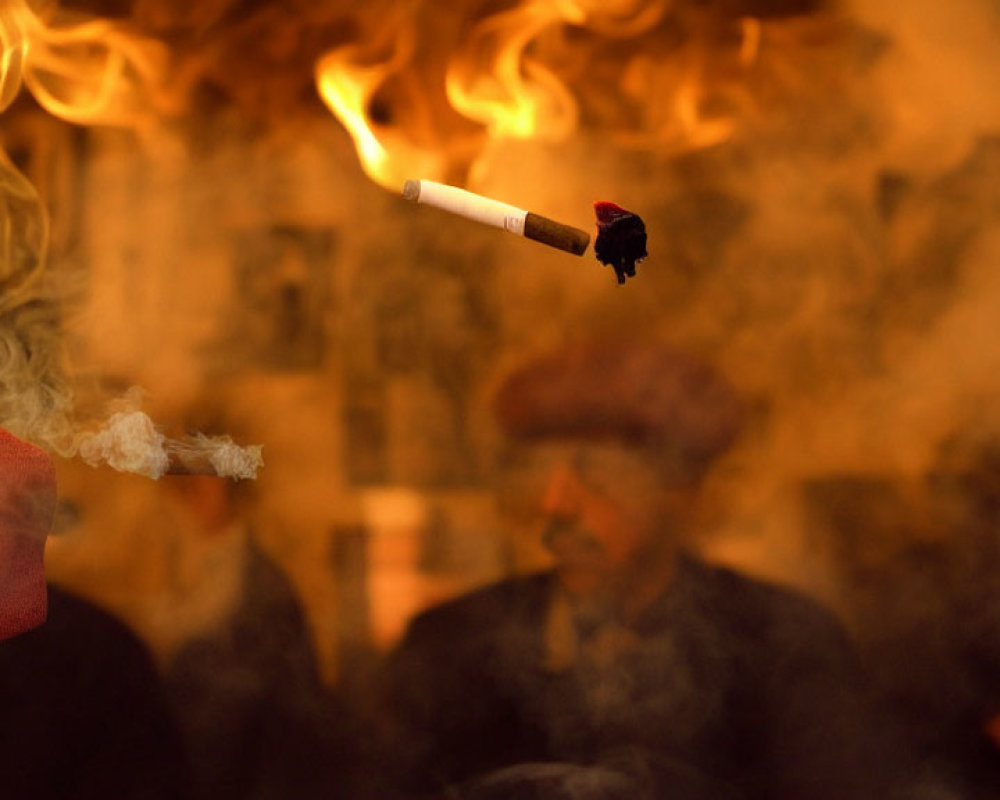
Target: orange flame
[[347, 80], [515, 95], [523, 73], [90, 72]]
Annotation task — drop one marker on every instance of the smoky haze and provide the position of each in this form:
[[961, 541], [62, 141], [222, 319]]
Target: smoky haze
[[822, 223]]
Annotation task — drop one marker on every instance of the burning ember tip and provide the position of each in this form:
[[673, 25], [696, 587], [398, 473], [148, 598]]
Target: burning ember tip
[[498, 215]]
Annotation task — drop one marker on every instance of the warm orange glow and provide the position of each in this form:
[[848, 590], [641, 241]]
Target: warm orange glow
[[23, 224], [347, 89], [86, 72], [90, 72], [697, 129], [14, 47], [347, 82], [488, 81], [617, 19], [388, 158], [750, 44], [525, 73], [492, 80], [24, 235]]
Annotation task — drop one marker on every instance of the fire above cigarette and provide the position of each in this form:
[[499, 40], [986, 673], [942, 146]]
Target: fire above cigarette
[[497, 214]]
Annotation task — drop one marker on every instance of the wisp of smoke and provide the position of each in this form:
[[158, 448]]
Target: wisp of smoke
[[113, 76], [35, 399]]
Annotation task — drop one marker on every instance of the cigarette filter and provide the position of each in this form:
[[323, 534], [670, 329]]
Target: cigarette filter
[[499, 215]]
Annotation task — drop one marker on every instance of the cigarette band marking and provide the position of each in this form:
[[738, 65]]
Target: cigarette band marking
[[491, 212]]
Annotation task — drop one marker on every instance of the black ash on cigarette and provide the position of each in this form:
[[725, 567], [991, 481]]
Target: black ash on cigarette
[[621, 239], [497, 214]]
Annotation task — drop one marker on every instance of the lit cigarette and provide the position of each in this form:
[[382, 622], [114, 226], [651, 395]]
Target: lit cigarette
[[499, 215], [219, 456], [130, 442], [189, 465]]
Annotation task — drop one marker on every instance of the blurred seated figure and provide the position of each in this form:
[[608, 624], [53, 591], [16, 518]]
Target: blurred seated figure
[[919, 563], [632, 668], [245, 685], [82, 711], [83, 715], [966, 485]]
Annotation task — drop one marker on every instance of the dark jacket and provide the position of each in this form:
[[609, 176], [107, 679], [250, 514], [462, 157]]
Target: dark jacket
[[727, 688], [83, 714], [253, 709]]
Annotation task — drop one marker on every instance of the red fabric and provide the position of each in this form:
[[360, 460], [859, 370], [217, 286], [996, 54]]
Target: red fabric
[[27, 507]]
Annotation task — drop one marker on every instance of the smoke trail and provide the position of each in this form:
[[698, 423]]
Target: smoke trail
[[90, 72], [35, 398]]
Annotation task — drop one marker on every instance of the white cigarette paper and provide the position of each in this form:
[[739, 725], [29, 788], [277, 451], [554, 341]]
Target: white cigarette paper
[[491, 212], [467, 204]]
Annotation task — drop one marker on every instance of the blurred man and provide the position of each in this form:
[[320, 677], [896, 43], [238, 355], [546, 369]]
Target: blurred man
[[245, 686], [934, 640], [631, 669]]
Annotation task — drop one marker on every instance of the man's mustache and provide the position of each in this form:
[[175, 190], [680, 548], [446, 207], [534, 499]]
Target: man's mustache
[[559, 535]]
